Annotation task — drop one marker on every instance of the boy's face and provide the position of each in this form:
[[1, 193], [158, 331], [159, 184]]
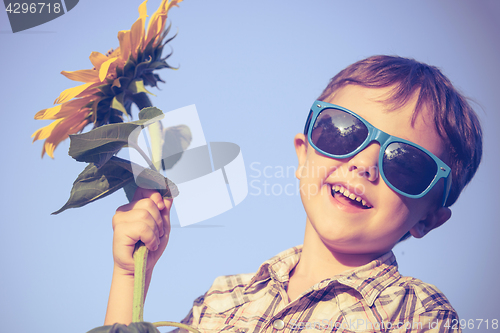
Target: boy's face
[[345, 225]]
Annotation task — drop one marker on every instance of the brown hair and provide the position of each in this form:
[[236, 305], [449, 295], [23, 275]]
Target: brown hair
[[455, 120]]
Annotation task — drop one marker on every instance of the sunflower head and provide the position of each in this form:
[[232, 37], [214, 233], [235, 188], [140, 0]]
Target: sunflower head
[[116, 81]]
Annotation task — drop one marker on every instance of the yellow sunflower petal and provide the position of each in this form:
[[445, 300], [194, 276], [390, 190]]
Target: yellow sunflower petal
[[137, 30], [135, 36], [124, 38], [63, 110], [70, 93], [70, 125], [84, 75], [53, 110], [103, 71], [116, 53], [49, 147], [92, 90], [45, 132], [156, 26], [157, 22], [170, 4], [143, 11], [97, 59]]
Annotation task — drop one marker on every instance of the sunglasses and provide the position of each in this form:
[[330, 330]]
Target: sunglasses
[[406, 167]]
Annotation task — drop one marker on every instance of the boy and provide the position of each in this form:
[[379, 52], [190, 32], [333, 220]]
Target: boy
[[386, 149]]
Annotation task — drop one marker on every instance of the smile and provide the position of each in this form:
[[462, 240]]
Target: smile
[[339, 190]]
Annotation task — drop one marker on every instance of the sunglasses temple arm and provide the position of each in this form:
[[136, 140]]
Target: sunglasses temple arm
[[447, 189]]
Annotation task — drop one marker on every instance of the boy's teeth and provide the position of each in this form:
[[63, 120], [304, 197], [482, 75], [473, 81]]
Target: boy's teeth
[[345, 192]]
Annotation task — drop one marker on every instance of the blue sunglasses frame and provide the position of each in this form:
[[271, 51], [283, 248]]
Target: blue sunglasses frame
[[384, 139]]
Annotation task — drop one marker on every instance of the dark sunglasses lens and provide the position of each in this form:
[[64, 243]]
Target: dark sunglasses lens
[[408, 168], [337, 132]]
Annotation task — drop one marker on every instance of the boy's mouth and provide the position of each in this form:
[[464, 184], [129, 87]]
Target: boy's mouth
[[345, 196]]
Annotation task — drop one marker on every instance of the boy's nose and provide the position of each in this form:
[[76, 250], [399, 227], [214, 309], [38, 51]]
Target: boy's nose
[[365, 163]]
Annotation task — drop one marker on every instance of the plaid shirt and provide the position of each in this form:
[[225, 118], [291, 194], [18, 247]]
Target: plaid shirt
[[371, 298]]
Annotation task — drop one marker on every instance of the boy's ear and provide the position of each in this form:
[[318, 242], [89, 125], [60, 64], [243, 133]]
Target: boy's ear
[[431, 221], [301, 150]]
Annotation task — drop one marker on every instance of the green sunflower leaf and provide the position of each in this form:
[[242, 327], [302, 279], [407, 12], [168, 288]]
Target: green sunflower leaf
[[117, 103], [159, 65], [139, 57], [100, 144], [96, 183], [150, 113], [176, 140], [149, 47], [106, 89], [129, 68], [119, 85], [147, 178], [137, 86], [141, 67], [130, 190], [116, 83], [158, 78], [149, 79], [119, 71]]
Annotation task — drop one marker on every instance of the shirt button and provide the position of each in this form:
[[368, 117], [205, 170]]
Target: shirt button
[[279, 324]]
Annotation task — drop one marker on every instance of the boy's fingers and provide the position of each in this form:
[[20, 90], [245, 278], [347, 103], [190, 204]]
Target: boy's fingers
[[139, 232], [152, 208], [144, 211], [165, 213], [168, 203], [151, 203], [142, 193]]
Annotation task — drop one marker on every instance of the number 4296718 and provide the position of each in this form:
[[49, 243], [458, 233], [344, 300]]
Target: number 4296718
[[472, 324], [33, 8]]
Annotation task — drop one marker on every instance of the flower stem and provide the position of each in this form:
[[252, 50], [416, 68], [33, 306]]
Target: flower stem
[[140, 261], [173, 324], [141, 252], [144, 155], [141, 100]]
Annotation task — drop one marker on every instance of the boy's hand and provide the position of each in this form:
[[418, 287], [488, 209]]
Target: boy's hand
[[146, 218]]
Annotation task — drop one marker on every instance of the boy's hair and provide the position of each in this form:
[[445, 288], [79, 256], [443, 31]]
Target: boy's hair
[[455, 120]]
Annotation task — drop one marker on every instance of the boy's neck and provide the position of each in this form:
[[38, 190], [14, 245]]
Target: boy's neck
[[319, 262]]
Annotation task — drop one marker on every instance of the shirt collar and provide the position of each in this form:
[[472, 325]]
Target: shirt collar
[[278, 267], [369, 280]]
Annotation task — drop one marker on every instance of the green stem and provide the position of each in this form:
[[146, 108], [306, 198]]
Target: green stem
[[140, 261], [173, 324], [144, 156], [141, 100], [140, 251], [155, 134]]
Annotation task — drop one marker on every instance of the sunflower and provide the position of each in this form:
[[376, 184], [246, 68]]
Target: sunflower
[[116, 81]]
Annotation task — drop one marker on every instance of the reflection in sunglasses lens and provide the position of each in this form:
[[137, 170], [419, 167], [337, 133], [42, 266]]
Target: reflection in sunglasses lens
[[337, 132], [408, 168]]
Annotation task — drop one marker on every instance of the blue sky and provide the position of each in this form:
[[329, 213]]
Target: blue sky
[[252, 69]]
